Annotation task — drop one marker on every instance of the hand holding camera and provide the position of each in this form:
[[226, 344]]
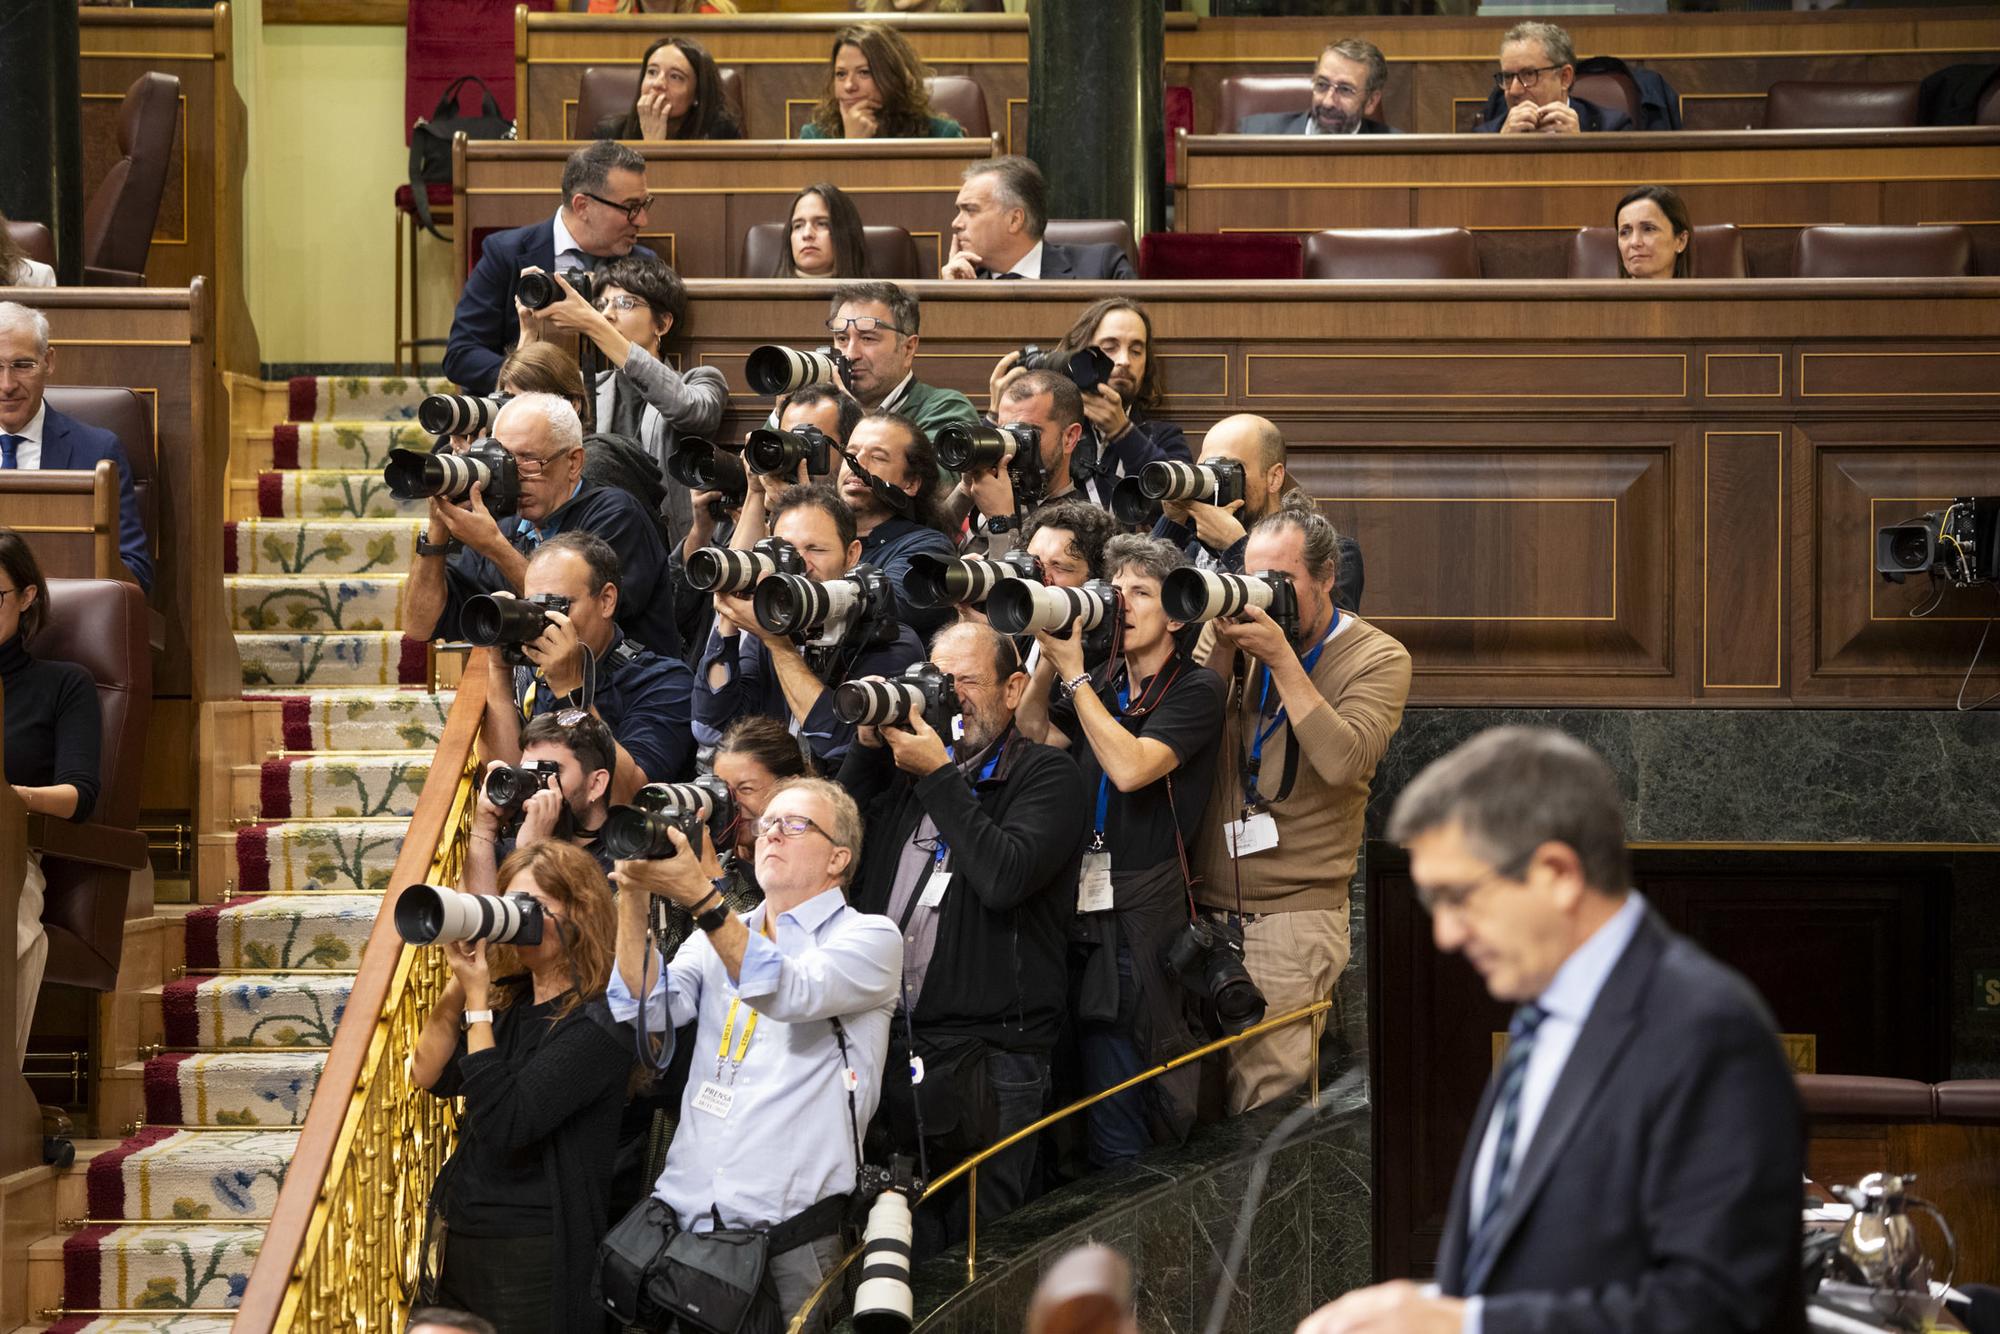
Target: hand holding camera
[[567, 310], [557, 654], [1255, 633], [918, 749], [539, 816], [1105, 411], [1063, 652], [678, 879], [1007, 370], [467, 961], [468, 521]]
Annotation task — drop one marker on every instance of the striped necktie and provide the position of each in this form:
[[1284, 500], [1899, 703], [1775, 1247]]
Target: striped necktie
[[1507, 1106]]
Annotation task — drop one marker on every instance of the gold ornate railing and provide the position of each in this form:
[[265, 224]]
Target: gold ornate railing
[[969, 1169], [342, 1250]]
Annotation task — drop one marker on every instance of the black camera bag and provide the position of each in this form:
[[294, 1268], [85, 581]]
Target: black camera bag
[[656, 1276], [430, 143]]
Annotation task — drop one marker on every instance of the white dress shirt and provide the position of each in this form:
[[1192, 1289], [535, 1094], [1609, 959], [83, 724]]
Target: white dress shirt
[[786, 1143], [33, 273], [1030, 265], [1566, 1003], [569, 255], [28, 450]]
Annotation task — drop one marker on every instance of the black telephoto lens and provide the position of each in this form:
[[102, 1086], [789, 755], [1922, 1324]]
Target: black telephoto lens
[[488, 620], [635, 835]]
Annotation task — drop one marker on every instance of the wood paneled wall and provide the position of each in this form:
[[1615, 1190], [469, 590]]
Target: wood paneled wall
[[1572, 493], [1522, 196]]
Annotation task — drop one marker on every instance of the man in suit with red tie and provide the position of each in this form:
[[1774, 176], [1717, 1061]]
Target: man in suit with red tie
[[1635, 1164]]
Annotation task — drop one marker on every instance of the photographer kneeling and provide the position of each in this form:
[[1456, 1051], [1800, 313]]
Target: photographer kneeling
[[796, 997], [543, 1069], [973, 856], [1145, 729], [579, 661]]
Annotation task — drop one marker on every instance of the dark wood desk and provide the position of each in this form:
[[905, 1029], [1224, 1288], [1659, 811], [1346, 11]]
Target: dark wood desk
[[1578, 493], [707, 195], [1523, 195]]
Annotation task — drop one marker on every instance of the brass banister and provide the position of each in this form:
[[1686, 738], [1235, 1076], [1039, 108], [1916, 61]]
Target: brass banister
[[341, 1251]]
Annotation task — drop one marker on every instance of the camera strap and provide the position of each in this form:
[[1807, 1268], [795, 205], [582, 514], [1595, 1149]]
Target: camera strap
[[895, 498], [1262, 732]]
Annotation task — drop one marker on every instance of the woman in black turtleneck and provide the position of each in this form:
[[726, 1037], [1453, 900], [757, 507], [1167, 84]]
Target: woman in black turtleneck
[[52, 742]]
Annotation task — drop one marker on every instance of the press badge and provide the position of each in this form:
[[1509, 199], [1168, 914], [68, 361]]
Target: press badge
[[933, 895], [1252, 834], [714, 1099], [1093, 888]]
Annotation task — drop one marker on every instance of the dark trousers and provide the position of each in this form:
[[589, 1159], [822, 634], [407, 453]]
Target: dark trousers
[[1110, 1055], [505, 1279], [1018, 1085]]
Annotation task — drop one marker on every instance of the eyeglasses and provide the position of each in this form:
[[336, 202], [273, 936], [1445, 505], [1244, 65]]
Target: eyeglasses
[[631, 211], [1525, 76], [6, 593], [24, 366], [1346, 92], [788, 827], [1454, 897], [534, 465], [611, 303], [860, 324]]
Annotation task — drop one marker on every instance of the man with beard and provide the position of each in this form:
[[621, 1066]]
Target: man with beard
[[1346, 96], [570, 806]]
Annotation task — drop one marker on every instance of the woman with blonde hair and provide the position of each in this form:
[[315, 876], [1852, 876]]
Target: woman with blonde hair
[[875, 90]]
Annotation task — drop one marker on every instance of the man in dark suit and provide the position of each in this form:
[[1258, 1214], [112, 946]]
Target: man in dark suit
[[35, 435], [605, 203], [1346, 96], [1003, 209], [1537, 67], [1636, 1161]]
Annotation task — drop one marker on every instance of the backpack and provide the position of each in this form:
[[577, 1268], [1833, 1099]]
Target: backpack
[[430, 143]]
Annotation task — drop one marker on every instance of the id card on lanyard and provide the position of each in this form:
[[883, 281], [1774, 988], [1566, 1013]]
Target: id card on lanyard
[[939, 878], [1256, 830], [716, 1096], [1093, 886]]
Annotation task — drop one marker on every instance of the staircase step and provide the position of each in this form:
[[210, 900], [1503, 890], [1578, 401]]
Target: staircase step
[[116, 1268], [326, 604], [354, 443], [319, 546], [362, 719], [328, 398], [231, 1088], [286, 932], [319, 856], [203, 1176], [254, 1010], [342, 786], [365, 658], [164, 1323], [331, 495]]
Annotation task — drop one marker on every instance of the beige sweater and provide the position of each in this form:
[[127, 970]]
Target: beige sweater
[[1364, 675]]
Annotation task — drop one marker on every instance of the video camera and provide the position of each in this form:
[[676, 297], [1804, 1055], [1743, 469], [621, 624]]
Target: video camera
[[509, 622], [434, 915], [776, 369], [882, 701], [417, 475], [963, 581], [1189, 595], [639, 832], [1017, 446], [1087, 368], [539, 291], [702, 465], [727, 570], [857, 608], [1960, 543], [770, 452]]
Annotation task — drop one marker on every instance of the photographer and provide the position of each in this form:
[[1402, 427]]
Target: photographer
[[467, 551], [1050, 403], [768, 1134], [1144, 729], [747, 669], [972, 854], [1308, 722], [582, 662], [755, 757], [636, 302], [543, 1069], [1124, 436], [1213, 536], [874, 325], [1068, 538], [569, 806]]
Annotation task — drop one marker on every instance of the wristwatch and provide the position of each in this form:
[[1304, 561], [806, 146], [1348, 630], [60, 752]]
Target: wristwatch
[[1003, 523], [711, 919], [477, 1017], [451, 546], [1076, 683]]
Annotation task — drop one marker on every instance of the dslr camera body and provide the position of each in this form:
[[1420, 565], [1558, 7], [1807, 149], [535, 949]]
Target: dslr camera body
[[508, 787], [639, 832], [1189, 595], [418, 475], [1217, 481], [509, 622], [964, 581], [1017, 446], [771, 452], [1087, 368], [726, 570], [857, 609], [1208, 960], [539, 291], [702, 465], [880, 701]]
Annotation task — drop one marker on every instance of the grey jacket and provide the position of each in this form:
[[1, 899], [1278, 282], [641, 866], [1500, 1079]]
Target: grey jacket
[[677, 404]]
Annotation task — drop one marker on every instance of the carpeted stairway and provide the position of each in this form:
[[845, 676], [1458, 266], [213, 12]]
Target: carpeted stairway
[[315, 587]]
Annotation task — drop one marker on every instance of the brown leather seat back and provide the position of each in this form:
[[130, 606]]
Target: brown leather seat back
[[608, 91], [1243, 95], [101, 624], [892, 252], [1093, 231], [960, 97], [118, 224], [1882, 252], [1866, 1098], [1406, 253], [33, 240], [1802, 104], [1717, 248], [127, 416], [1612, 92]]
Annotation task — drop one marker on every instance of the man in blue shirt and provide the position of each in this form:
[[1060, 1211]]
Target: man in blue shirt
[[466, 551], [1635, 1163], [582, 662]]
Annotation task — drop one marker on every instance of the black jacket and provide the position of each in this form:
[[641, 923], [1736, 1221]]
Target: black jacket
[[1661, 1189], [1590, 117], [1099, 260], [1288, 122], [998, 972]]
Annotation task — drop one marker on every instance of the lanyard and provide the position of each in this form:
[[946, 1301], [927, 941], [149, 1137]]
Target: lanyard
[[729, 1026], [1278, 719], [942, 850], [1104, 779]]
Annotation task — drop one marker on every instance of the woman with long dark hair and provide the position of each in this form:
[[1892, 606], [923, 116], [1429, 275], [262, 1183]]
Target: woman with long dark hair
[[680, 97], [1654, 235], [823, 236], [875, 90], [523, 1035]]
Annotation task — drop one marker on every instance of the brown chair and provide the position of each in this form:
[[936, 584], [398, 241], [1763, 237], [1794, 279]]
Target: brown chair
[[100, 623], [607, 91], [1093, 231], [1882, 252], [1717, 248], [1234, 256], [1612, 92], [1989, 105], [33, 240], [891, 252], [1243, 95], [125, 415], [1865, 1098], [1800, 104], [118, 224], [1403, 253], [960, 97]]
